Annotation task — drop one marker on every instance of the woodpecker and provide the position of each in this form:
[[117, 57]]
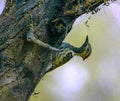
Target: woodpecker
[[68, 52]]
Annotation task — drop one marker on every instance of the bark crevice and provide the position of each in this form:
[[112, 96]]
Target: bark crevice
[[22, 63]]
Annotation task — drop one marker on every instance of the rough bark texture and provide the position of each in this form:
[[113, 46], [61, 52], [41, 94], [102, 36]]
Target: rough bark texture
[[22, 64]]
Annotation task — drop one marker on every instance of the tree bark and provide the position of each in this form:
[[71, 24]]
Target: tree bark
[[22, 63]]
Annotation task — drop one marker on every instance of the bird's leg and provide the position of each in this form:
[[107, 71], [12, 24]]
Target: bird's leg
[[31, 38]]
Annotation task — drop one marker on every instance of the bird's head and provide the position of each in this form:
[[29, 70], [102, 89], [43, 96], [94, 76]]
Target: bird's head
[[85, 50]]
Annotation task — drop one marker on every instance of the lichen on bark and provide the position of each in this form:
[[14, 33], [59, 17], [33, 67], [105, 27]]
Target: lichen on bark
[[23, 64]]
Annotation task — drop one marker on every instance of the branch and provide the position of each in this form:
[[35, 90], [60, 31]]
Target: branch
[[61, 23]]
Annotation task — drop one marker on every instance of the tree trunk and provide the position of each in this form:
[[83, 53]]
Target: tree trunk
[[23, 63]]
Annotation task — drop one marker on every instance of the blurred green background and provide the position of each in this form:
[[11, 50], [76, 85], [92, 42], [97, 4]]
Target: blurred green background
[[98, 77]]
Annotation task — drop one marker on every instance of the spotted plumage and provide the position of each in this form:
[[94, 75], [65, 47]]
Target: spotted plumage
[[68, 52]]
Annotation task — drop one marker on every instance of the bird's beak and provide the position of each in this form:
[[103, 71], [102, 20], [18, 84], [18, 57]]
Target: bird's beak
[[85, 50]]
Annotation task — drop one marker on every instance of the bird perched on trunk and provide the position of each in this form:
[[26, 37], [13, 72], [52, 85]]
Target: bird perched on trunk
[[68, 52]]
